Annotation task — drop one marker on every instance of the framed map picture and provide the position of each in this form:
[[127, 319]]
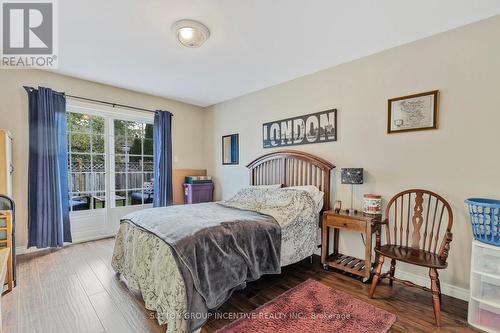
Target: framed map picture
[[413, 113]]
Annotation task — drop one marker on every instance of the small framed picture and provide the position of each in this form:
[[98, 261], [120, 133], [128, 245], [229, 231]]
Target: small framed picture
[[413, 113], [230, 149]]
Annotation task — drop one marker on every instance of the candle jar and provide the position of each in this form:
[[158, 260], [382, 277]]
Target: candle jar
[[372, 204]]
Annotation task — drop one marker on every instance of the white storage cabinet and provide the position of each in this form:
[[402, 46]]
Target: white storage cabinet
[[484, 303]]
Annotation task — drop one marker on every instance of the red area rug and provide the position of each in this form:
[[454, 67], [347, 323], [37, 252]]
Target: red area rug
[[315, 308]]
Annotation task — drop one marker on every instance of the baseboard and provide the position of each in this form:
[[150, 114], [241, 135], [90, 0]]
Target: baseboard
[[446, 288], [20, 250]]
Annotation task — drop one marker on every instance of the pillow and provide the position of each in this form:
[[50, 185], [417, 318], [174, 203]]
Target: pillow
[[148, 186], [315, 193], [284, 205], [269, 187]]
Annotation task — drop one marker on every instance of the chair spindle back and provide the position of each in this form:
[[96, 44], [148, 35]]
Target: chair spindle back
[[418, 218]]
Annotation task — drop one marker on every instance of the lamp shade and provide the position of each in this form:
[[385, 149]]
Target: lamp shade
[[352, 176]]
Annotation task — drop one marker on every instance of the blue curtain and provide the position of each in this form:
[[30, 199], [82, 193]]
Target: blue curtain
[[162, 159], [48, 212]]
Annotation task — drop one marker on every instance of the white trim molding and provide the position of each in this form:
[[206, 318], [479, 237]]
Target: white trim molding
[[446, 288], [20, 250]]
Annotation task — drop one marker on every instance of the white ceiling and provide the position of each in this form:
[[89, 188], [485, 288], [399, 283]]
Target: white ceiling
[[253, 44]]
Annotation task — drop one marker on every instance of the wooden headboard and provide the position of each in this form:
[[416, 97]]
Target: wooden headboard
[[292, 168]]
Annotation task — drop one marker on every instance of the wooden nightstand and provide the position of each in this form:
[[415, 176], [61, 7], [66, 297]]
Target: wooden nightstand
[[361, 223]]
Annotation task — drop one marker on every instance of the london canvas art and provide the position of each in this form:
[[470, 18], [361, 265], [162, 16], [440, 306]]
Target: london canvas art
[[312, 128]]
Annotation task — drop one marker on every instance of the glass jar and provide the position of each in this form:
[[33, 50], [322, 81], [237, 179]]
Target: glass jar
[[372, 204]]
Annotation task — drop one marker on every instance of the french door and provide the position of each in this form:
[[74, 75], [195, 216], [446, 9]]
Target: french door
[[110, 167]]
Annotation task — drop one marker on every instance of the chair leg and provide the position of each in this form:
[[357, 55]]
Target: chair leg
[[392, 270], [436, 297], [376, 276], [439, 288]]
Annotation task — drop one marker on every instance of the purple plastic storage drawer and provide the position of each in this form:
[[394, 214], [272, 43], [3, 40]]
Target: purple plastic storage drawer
[[197, 193]]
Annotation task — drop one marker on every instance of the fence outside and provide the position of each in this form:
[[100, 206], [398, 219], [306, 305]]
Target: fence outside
[[87, 179]]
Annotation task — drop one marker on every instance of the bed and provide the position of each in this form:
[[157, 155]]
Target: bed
[[150, 249]]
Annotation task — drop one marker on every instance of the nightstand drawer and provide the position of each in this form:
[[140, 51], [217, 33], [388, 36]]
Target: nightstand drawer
[[346, 223]]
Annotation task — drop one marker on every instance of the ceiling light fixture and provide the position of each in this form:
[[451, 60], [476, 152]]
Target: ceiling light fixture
[[190, 33]]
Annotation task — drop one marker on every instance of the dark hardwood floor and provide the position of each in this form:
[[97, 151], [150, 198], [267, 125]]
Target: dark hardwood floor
[[74, 289]]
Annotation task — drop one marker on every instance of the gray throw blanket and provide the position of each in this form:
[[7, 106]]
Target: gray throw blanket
[[217, 249]]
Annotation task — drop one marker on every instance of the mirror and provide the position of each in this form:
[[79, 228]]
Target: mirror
[[230, 149]]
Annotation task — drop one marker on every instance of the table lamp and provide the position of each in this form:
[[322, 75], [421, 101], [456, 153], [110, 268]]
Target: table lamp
[[352, 176]]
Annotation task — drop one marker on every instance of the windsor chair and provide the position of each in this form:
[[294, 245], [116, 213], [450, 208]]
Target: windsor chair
[[417, 231]]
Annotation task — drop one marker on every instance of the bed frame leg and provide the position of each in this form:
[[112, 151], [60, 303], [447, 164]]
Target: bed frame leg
[[311, 259]]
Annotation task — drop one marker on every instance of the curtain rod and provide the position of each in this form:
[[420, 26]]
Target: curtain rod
[[99, 101]]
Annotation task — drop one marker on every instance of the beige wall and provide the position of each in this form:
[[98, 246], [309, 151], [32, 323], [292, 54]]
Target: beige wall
[[187, 123], [459, 160]]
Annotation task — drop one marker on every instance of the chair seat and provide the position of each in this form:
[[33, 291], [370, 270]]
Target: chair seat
[[138, 197], [412, 256]]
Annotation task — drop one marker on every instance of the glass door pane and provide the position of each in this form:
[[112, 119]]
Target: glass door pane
[[86, 161], [133, 149]]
